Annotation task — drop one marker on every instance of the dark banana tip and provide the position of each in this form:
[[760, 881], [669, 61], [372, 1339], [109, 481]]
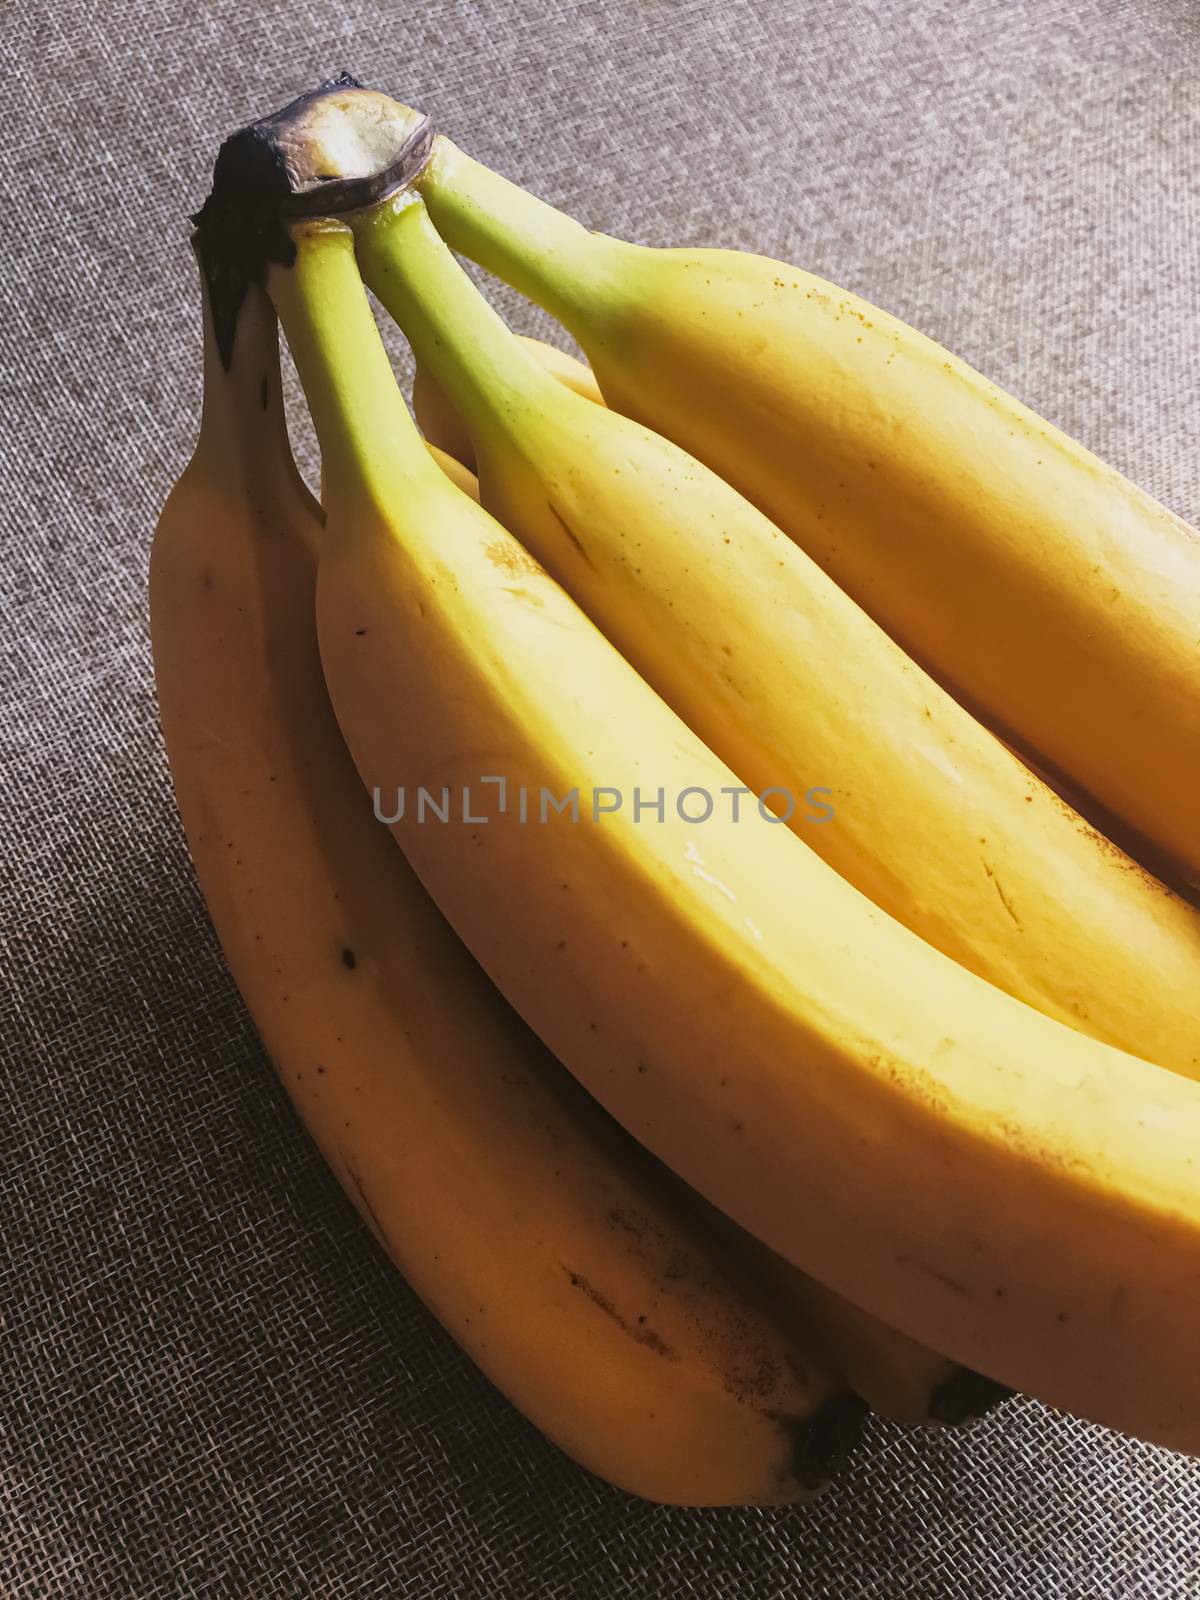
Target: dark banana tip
[[821, 1443], [336, 148], [964, 1396]]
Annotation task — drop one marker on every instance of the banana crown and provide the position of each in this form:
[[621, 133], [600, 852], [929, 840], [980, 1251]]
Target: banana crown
[[332, 149]]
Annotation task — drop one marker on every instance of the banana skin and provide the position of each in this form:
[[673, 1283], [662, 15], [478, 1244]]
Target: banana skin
[[532, 1227], [1050, 594], [790, 682], [991, 1182], [896, 1376], [441, 424]]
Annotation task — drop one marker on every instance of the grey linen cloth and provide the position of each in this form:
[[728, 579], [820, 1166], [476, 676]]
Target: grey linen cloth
[[213, 1382]]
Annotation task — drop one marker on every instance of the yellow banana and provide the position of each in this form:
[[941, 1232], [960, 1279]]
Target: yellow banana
[[895, 1375], [1045, 589], [459, 475], [794, 686], [530, 1225], [993, 1183], [898, 1377], [462, 477], [441, 424]]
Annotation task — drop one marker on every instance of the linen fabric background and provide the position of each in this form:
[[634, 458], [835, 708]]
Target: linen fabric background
[[213, 1382]]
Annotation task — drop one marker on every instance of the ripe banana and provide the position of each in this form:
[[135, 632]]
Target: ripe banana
[[460, 475], [529, 1224], [897, 1377], [441, 424], [793, 685], [990, 1181], [1047, 591]]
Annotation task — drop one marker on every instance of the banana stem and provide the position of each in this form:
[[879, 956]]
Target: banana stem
[[456, 335], [543, 253], [367, 436]]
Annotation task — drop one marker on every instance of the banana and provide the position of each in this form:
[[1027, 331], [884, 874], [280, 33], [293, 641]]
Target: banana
[[897, 1377], [794, 686], [462, 477], [441, 424], [535, 1230], [1047, 591], [990, 1181]]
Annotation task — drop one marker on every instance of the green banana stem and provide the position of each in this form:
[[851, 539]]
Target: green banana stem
[[543, 253], [369, 442], [455, 334]]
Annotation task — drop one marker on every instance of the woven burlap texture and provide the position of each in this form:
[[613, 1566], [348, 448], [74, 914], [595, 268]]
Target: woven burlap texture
[[213, 1382]]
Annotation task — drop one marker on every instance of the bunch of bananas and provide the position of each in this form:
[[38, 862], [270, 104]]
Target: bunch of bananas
[[750, 1028]]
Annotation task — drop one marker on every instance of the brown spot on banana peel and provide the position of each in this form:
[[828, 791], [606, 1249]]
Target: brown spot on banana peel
[[572, 536], [913, 1079], [513, 559], [754, 1383], [629, 1222], [1004, 900], [749, 1372], [1105, 831], [636, 1331], [952, 1284], [817, 1445]]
